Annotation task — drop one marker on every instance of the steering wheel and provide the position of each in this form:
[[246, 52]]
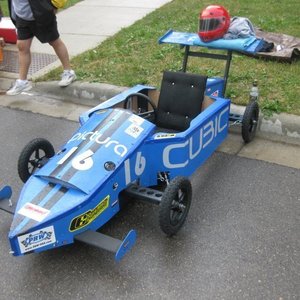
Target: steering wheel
[[128, 104]]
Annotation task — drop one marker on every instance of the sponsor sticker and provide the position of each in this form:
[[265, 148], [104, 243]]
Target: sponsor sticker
[[136, 120], [89, 216], [34, 212], [36, 239], [164, 136], [134, 130]]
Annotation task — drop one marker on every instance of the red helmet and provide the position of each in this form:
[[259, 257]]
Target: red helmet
[[214, 23]]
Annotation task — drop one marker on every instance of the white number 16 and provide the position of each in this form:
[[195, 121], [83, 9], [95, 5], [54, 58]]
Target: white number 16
[[81, 162]]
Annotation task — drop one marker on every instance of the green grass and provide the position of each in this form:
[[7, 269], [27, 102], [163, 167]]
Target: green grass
[[3, 5], [133, 55]]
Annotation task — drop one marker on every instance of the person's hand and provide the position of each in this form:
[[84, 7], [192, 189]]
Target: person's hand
[[2, 42]]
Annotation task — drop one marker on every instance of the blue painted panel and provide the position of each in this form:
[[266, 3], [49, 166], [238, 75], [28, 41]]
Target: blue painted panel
[[250, 44]]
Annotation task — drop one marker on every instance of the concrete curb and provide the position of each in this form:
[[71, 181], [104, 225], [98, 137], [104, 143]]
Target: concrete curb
[[280, 127], [80, 92]]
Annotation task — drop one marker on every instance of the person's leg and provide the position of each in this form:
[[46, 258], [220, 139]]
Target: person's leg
[[24, 57], [50, 35], [22, 84], [62, 53]]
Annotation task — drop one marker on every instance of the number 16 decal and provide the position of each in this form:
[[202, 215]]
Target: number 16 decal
[[81, 162], [140, 164]]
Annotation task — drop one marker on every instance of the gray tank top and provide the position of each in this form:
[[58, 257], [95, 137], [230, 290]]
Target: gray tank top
[[22, 9]]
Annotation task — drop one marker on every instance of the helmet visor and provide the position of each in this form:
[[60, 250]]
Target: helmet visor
[[209, 24]]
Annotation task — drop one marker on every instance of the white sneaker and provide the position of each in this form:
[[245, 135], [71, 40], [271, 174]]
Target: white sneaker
[[19, 87], [67, 77]]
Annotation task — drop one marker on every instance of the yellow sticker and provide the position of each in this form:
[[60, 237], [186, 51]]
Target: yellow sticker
[[89, 216]]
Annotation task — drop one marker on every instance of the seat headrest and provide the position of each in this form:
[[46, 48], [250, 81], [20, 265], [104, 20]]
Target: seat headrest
[[180, 99]]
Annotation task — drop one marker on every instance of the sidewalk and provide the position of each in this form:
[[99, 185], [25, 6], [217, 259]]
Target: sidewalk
[[82, 27], [89, 22], [95, 21]]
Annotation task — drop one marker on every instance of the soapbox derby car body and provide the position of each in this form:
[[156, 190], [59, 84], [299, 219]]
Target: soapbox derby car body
[[141, 144], [126, 147]]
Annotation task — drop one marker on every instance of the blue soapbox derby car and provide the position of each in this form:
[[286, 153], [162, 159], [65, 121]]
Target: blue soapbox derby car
[[141, 144]]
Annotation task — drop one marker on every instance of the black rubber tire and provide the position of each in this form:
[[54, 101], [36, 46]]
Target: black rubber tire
[[175, 205], [33, 156], [250, 121]]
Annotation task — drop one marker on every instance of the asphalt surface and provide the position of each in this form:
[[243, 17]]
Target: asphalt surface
[[241, 238], [240, 241]]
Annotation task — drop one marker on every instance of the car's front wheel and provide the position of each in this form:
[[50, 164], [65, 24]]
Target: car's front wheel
[[175, 205], [33, 156]]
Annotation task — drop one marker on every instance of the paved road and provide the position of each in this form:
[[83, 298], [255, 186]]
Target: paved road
[[241, 239]]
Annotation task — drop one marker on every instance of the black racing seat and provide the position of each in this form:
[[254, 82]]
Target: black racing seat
[[180, 99]]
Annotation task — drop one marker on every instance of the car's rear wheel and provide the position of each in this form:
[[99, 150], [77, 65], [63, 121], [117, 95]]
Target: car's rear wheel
[[33, 156], [250, 121]]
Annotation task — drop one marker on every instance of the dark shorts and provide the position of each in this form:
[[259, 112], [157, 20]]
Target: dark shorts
[[28, 29]]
